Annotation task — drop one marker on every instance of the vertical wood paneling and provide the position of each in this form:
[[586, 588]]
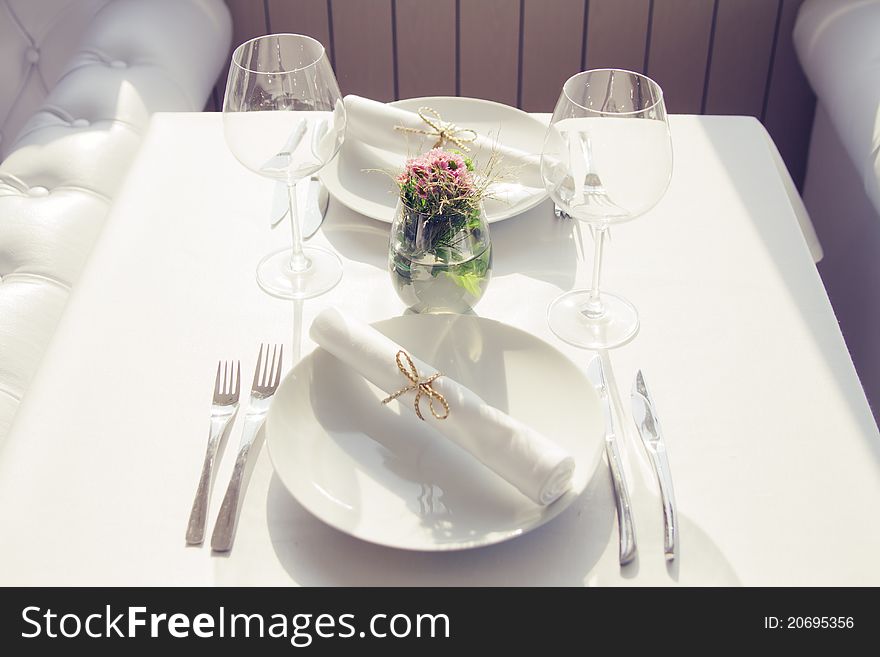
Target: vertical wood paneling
[[552, 43], [617, 32], [425, 48], [307, 17], [211, 103], [790, 101], [364, 47], [751, 69], [488, 65], [741, 51], [679, 51], [248, 21]]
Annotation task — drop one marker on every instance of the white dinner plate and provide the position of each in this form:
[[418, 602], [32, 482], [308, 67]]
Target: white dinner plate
[[350, 180], [379, 473]]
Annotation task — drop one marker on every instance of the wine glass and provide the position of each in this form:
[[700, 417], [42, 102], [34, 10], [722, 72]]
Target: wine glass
[[283, 118], [607, 158]]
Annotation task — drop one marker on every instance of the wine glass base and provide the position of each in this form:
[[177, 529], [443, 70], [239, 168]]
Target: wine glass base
[[275, 276], [617, 326]]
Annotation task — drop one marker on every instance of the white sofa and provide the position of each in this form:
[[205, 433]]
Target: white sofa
[[79, 80], [838, 44]]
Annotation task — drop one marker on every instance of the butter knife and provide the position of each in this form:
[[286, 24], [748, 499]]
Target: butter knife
[[596, 374], [645, 417]]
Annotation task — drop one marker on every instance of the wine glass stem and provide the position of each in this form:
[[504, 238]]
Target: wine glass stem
[[298, 261], [595, 308]]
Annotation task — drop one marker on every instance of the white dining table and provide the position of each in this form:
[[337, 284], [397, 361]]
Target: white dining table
[[774, 451]]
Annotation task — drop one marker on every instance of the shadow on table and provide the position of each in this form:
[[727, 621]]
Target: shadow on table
[[560, 553], [575, 549], [699, 561], [534, 244]]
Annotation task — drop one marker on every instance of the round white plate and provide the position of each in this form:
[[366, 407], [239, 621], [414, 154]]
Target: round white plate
[[349, 180], [380, 474]]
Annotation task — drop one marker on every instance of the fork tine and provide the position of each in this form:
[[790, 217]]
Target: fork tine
[[270, 371], [217, 380], [226, 377], [278, 371], [257, 368], [263, 368], [237, 378]]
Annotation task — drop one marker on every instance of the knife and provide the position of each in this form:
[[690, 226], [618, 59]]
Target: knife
[[596, 374], [648, 424]]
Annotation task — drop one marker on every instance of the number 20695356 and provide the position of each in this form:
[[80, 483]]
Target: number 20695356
[[809, 622]]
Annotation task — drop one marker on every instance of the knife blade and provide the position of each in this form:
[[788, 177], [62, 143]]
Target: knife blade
[[627, 546], [648, 425]]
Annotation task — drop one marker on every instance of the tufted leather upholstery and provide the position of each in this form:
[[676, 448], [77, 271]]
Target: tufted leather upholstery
[[79, 81], [838, 46]]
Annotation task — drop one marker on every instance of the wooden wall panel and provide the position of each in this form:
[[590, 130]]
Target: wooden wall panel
[[790, 104], [552, 50], [248, 21], [617, 32], [710, 56], [426, 50], [741, 50], [489, 65], [679, 51], [363, 45], [309, 17]]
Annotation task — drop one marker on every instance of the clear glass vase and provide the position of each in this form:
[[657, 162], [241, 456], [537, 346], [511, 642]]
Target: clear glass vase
[[439, 263]]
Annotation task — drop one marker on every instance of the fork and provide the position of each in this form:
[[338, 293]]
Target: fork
[[266, 378], [223, 408], [589, 190]]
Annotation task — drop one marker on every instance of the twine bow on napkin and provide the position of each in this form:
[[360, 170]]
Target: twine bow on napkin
[[444, 130], [422, 386]]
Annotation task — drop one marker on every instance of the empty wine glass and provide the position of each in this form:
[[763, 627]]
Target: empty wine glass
[[283, 118], [607, 158]]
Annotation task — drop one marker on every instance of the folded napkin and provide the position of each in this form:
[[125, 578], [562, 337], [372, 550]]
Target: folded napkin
[[373, 123], [538, 467]]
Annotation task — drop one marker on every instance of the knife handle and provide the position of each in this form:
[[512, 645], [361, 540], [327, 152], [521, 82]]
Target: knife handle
[[624, 507], [667, 497]]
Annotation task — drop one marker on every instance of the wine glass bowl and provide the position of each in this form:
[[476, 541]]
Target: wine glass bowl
[[607, 159], [284, 119]]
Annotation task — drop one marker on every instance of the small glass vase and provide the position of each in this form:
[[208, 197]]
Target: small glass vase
[[439, 263]]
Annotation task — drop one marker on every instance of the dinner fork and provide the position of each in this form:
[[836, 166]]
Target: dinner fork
[[223, 408], [266, 378], [592, 190], [589, 190]]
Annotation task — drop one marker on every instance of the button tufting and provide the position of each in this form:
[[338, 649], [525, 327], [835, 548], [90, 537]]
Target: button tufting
[[32, 55], [80, 123], [38, 191], [118, 63]]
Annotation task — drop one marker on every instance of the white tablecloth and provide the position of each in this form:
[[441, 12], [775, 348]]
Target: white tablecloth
[[773, 449]]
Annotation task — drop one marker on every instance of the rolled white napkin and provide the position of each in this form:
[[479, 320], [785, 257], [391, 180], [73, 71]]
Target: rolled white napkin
[[538, 467], [373, 123]]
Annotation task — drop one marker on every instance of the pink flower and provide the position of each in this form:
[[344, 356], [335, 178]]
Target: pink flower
[[438, 174]]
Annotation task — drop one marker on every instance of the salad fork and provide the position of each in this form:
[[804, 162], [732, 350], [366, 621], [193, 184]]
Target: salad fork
[[223, 408], [266, 378]]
